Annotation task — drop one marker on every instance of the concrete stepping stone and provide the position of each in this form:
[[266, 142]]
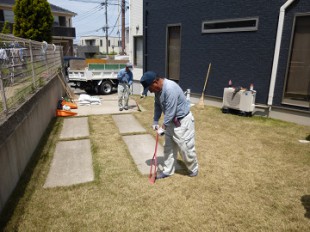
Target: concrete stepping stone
[[142, 148], [108, 106], [71, 164], [127, 123], [74, 128]]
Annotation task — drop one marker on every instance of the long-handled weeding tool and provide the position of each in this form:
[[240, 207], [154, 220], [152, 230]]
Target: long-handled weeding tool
[[152, 176], [131, 93], [201, 100], [138, 107]]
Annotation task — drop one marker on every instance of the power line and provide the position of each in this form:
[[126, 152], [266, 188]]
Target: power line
[[106, 3], [98, 29], [115, 23], [88, 13]]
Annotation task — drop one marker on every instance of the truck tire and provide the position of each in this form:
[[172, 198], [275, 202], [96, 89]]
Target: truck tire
[[89, 90], [106, 87]]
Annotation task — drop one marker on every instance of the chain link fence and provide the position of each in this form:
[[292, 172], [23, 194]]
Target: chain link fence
[[25, 66]]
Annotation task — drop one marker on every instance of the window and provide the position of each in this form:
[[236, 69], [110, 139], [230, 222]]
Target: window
[[1, 16], [56, 21], [127, 35], [62, 21], [90, 42], [138, 51], [230, 25], [297, 86], [8, 16], [173, 52]]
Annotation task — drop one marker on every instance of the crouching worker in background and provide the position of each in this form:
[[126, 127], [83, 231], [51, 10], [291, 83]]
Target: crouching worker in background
[[178, 124], [125, 79]]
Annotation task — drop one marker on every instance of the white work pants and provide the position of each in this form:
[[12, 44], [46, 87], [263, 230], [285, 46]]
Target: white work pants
[[123, 91], [181, 139]]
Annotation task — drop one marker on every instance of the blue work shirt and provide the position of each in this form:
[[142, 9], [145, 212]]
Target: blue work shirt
[[171, 101], [125, 77]]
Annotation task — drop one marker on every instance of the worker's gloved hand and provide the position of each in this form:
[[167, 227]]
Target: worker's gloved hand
[[128, 86], [160, 131], [155, 127]]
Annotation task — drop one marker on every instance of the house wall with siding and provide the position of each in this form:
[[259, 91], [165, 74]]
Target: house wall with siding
[[243, 57], [135, 22]]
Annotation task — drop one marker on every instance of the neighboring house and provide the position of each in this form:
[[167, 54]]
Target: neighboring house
[[265, 43], [135, 46], [89, 46], [63, 33], [92, 45]]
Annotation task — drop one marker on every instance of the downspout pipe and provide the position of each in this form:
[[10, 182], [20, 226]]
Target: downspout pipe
[[277, 51]]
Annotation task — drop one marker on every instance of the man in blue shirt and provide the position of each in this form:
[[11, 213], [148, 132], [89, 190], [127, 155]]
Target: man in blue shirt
[[178, 124], [125, 79]]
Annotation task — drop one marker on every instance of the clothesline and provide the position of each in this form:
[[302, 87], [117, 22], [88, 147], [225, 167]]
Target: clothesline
[[14, 52], [10, 49]]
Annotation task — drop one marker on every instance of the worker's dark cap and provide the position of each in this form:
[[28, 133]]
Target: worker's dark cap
[[147, 79]]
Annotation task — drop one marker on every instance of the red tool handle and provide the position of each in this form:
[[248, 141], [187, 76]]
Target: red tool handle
[[152, 176]]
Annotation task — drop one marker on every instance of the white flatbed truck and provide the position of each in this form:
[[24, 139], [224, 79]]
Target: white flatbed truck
[[95, 78]]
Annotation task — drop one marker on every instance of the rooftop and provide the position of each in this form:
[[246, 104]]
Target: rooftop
[[54, 8]]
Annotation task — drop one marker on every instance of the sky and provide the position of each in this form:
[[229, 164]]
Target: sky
[[90, 18]]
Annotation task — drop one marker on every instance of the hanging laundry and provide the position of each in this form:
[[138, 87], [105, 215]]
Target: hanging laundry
[[21, 54], [3, 55]]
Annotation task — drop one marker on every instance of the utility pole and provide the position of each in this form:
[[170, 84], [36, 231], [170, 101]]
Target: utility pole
[[106, 27], [123, 27]]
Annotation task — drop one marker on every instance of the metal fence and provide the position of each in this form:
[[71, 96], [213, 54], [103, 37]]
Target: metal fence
[[25, 66]]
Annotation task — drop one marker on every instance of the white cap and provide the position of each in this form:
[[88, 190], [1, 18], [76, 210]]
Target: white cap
[[129, 65]]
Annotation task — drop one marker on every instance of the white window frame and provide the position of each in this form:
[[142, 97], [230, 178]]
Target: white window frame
[[227, 29]]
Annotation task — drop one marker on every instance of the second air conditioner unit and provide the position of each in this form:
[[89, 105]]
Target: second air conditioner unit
[[239, 99]]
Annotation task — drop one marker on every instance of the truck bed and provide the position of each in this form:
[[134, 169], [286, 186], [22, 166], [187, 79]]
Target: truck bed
[[95, 72]]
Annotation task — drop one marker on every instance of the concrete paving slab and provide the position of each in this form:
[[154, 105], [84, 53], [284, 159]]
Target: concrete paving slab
[[106, 107], [142, 148], [71, 164], [75, 128], [127, 123], [109, 105]]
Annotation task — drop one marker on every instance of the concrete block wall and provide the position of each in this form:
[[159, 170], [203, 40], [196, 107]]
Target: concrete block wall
[[20, 135]]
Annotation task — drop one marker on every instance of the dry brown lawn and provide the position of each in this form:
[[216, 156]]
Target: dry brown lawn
[[253, 176]]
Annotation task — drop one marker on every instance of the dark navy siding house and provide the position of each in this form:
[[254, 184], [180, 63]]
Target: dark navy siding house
[[264, 43]]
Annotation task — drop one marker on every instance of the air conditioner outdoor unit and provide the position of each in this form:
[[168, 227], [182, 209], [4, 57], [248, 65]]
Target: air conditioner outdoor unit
[[240, 100]]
